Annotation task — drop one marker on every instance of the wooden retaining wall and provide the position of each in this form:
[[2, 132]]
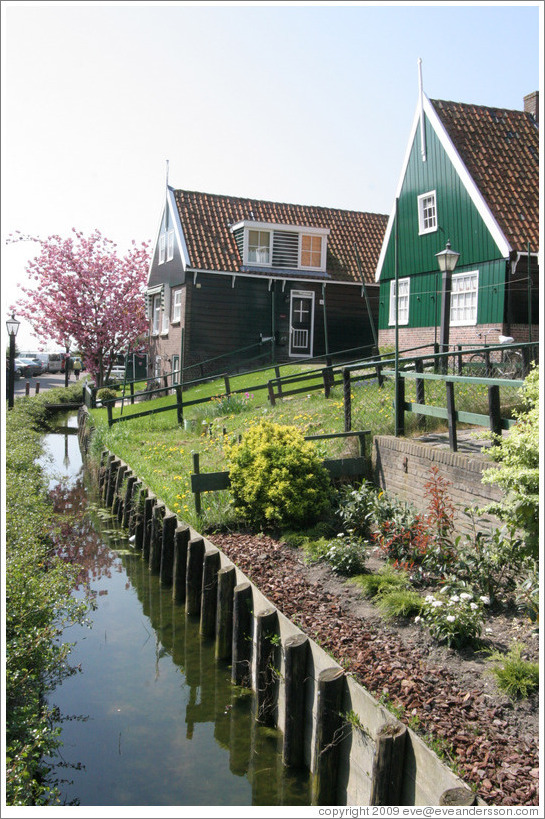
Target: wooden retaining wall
[[331, 725]]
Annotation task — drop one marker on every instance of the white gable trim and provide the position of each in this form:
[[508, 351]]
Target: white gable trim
[[180, 238], [465, 177]]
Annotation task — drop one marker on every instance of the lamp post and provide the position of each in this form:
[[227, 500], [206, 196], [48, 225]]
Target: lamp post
[[12, 326], [447, 260]]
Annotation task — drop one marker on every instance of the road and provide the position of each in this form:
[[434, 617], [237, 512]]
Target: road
[[45, 380]]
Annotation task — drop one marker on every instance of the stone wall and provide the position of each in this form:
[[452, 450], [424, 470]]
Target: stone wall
[[402, 467]]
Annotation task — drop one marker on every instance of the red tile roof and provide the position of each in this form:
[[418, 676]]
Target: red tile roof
[[206, 220], [501, 152]]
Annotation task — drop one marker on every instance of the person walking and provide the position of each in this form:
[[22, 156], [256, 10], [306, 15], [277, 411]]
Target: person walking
[[77, 368]]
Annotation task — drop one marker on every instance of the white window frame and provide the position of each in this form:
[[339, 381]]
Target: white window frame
[[162, 248], [464, 298], [170, 245], [177, 306], [424, 228], [403, 304], [155, 313], [175, 369], [259, 247], [312, 236]]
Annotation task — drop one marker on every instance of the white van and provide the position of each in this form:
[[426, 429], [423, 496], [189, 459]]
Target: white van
[[55, 361]]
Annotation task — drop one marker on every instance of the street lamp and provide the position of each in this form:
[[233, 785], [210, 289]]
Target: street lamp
[[12, 326], [447, 260]]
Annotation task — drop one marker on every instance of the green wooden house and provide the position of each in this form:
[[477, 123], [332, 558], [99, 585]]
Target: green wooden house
[[234, 279], [470, 177]]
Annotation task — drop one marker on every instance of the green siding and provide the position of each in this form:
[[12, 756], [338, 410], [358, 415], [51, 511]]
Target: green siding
[[458, 220]]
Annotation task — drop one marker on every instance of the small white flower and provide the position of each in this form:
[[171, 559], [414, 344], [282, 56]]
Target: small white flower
[[451, 618], [454, 598], [473, 606], [485, 599], [465, 596], [437, 603], [417, 619], [430, 598]]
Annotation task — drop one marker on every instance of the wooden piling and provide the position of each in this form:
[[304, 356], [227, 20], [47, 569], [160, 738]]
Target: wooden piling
[[138, 519], [149, 505], [267, 666], [170, 523], [193, 581], [134, 506], [387, 775], [127, 503], [209, 596], [242, 651], [181, 541], [110, 486], [156, 538], [224, 613], [295, 673], [328, 736], [120, 475]]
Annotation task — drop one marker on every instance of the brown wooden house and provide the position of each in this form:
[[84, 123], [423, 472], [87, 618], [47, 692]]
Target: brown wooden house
[[234, 278]]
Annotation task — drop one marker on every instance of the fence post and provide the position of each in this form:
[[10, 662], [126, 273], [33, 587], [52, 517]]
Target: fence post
[[400, 406], [451, 414], [227, 384], [460, 362], [197, 494], [170, 523], [109, 411], [156, 538], [494, 409], [327, 387], [277, 373], [270, 388], [420, 389], [179, 404], [347, 400], [131, 389]]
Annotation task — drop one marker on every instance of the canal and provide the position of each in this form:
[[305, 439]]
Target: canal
[[150, 718]]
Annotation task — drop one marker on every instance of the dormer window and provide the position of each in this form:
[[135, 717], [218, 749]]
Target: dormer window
[[259, 247], [281, 246]]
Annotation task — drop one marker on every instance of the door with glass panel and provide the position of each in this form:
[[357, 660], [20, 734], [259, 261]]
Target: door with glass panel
[[301, 323]]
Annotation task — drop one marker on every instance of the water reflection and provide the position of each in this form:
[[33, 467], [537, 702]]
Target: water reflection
[[165, 727]]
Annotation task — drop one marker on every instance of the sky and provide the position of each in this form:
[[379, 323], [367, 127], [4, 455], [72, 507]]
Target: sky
[[308, 103]]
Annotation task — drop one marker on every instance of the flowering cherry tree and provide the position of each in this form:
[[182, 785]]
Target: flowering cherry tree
[[82, 294]]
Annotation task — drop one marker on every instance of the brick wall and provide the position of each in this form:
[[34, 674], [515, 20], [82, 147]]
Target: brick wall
[[418, 336], [402, 467]]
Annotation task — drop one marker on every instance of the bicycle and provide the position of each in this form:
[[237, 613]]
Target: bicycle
[[510, 364]]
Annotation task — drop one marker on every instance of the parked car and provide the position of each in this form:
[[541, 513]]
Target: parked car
[[30, 367], [42, 357]]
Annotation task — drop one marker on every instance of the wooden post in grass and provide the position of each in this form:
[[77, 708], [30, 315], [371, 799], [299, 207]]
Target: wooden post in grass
[[196, 469], [209, 597], [179, 404], [181, 541], [328, 735], [224, 613], [242, 651], [494, 409], [420, 389], [451, 417], [347, 400], [193, 580], [387, 774], [267, 661], [296, 653], [170, 523]]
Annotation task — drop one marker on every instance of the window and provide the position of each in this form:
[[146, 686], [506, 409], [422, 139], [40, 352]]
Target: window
[[175, 369], [427, 213], [403, 302], [170, 245], [259, 247], [156, 312], [463, 298], [177, 306], [162, 248], [311, 251]]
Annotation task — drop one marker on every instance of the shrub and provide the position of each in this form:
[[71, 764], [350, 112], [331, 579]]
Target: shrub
[[491, 561], [387, 579], [515, 676], [357, 508], [454, 619], [399, 602], [346, 555], [231, 404], [518, 471], [106, 394], [277, 478]]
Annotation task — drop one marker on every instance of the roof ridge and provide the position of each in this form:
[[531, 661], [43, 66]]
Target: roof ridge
[[478, 105]]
